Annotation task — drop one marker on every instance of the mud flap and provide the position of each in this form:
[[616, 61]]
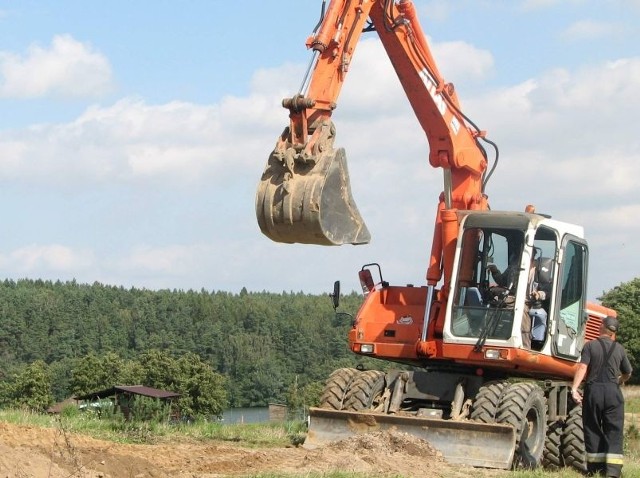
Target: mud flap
[[471, 443], [311, 204]]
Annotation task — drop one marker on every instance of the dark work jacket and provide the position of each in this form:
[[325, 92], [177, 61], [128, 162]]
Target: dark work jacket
[[593, 356]]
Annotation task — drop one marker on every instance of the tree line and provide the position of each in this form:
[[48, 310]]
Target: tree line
[[217, 349], [264, 347]]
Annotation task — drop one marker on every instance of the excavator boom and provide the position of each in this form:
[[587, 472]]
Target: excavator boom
[[304, 194]]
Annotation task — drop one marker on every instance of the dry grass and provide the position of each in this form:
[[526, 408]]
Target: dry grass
[[632, 405], [631, 392]]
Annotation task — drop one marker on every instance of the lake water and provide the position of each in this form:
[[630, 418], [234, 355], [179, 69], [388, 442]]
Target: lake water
[[246, 415]]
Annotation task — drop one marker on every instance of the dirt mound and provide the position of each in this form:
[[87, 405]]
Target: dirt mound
[[388, 442], [383, 452], [27, 451]]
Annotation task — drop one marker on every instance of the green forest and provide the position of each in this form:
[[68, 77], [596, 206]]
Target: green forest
[[218, 349], [264, 347]]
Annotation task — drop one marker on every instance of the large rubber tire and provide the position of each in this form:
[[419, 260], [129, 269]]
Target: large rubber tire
[[524, 407], [365, 392], [552, 458], [573, 450], [336, 388], [485, 405]]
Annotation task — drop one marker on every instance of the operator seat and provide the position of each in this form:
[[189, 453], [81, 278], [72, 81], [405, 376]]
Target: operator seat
[[544, 279], [544, 275]]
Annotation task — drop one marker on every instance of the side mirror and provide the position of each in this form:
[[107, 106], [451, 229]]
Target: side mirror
[[335, 296]]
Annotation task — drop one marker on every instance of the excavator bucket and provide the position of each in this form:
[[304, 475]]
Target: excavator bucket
[[309, 203], [464, 442]]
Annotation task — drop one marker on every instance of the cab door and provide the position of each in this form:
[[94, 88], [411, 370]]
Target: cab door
[[570, 305]]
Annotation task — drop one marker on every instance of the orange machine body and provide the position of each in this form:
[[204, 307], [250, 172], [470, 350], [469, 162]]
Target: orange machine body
[[391, 320]]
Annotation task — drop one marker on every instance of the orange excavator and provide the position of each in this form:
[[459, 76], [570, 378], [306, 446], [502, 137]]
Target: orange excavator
[[492, 340]]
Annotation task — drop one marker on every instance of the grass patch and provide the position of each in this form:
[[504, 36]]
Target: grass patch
[[118, 430], [564, 473], [631, 399], [249, 434]]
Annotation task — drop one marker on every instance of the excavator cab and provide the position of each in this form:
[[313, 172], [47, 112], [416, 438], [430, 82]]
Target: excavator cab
[[503, 258], [488, 276]]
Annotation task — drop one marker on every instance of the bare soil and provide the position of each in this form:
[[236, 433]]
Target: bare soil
[[27, 451]]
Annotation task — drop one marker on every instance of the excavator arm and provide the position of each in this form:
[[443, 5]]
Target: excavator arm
[[304, 195]]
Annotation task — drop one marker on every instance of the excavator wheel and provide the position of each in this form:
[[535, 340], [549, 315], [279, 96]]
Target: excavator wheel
[[336, 388], [309, 203], [488, 445], [552, 458], [524, 407], [573, 450], [365, 392], [485, 405]]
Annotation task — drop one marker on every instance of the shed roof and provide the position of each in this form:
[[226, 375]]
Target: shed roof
[[133, 389]]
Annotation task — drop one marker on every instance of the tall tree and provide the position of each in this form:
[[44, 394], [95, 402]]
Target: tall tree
[[31, 387], [625, 300], [93, 373], [203, 391]]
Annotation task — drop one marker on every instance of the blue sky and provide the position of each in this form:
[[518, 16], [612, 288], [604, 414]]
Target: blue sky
[[133, 135]]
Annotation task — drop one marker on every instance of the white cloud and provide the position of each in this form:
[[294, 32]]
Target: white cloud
[[569, 113], [460, 60], [569, 145], [611, 231], [127, 141], [66, 68], [280, 81], [528, 5], [191, 264], [170, 260], [589, 30], [185, 143], [40, 258], [437, 10], [567, 140], [372, 88], [537, 4]]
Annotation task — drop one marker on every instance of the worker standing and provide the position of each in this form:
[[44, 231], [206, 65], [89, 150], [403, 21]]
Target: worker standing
[[605, 365]]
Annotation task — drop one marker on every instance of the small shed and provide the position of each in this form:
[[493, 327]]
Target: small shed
[[277, 412], [123, 396]]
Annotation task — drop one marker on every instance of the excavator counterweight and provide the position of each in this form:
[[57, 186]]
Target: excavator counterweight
[[309, 203]]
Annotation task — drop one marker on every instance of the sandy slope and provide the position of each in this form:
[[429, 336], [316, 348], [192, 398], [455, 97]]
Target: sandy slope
[[27, 451]]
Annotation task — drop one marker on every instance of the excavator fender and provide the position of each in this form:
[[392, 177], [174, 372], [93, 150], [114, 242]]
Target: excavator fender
[[465, 442], [309, 202]]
